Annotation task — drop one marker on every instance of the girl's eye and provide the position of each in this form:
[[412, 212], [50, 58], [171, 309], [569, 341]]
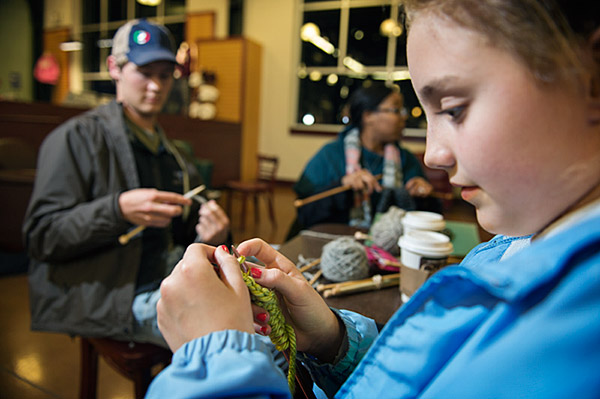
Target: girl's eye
[[455, 113]]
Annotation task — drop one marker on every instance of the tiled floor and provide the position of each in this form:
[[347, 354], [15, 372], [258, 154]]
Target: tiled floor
[[44, 365]]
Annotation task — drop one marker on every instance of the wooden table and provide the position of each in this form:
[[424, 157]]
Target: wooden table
[[378, 304]]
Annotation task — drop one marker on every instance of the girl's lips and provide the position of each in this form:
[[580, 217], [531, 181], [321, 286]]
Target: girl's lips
[[467, 193]]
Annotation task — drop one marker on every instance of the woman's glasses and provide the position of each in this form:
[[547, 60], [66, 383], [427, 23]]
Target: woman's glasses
[[398, 111]]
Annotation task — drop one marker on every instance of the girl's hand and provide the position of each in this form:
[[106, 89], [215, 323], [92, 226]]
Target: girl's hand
[[196, 300], [318, 331]]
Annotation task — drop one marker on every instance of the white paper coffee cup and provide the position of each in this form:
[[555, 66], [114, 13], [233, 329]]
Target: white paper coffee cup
[[421, 220], [424, 250]]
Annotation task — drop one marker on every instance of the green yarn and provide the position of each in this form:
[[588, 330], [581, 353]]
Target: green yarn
[[282, 334]]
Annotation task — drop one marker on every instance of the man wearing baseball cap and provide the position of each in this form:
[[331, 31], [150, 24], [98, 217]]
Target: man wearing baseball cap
[[100, 175]]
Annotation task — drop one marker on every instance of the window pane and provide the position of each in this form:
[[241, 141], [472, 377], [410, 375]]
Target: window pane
[[325, 101], [401, 47], [90, 11], [91, 52], [410, 102], [366, 44], [327, 35], [142, 11], [178, 33], [117, 10], [174, 7]]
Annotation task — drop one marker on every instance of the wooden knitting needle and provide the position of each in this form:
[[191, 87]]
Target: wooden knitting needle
[[124, 238], [324, 287], [315, 277], [336, 190], [374, 283], [327, 193], [310, 265]]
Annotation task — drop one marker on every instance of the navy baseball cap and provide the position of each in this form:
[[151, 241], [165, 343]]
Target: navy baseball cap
[[142, 42]]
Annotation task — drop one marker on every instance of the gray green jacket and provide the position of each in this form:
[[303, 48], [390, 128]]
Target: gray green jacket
[[81, 280]]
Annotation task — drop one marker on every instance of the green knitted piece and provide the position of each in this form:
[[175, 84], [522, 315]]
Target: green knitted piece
[[282, 334]]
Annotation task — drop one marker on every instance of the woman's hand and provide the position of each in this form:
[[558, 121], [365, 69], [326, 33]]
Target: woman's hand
[[318, 331], [362, 180], [213, 223], [196, 300], [151, 207], [419, 187]]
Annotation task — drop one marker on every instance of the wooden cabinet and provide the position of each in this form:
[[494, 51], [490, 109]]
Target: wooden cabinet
[[236, 63]]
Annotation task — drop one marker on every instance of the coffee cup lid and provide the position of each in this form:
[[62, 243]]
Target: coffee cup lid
[[427, 243], [423, 220]]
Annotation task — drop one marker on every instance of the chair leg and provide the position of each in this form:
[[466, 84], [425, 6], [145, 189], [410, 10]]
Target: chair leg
[[270, 201], [256, 210], [243, 215], [89, 371], [229, 200]]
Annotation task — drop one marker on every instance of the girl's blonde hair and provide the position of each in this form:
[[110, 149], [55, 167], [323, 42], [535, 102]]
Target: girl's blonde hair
[[551, 37]]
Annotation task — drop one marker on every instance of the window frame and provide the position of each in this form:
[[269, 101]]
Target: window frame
[[381, 72]]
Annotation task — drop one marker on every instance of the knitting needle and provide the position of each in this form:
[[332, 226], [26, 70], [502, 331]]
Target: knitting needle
[[241, 259], [328, 193], [310, 265], [315, 277], [124, 238], [324, 287], [374, 283]]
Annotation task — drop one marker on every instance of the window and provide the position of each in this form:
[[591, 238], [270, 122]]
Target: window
[[100, 19], [346, 44]]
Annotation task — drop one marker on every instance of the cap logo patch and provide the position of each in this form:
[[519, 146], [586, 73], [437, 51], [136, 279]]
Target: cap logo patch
[[141, 37]]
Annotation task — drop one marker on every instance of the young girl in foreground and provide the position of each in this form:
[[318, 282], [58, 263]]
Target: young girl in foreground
[[512, 96]]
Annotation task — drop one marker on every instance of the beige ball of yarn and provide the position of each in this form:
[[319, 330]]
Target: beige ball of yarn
[[344, 259], [386, 231]]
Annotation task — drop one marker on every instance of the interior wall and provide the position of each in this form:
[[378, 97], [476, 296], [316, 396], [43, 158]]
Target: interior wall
[[16, 48], [273, 24], [221, 10]]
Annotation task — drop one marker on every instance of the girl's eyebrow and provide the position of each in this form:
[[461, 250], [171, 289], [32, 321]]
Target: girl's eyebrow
[[432, 91]]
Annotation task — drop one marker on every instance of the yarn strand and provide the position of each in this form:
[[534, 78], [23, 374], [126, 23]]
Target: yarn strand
[[282, 334]]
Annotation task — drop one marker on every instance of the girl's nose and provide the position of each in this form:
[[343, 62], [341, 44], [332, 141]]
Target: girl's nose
[[438, 154]]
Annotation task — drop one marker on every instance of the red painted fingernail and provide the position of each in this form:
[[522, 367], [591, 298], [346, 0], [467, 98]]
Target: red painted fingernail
[[256, 273], [224, 248], [264, 330], [262, 317]]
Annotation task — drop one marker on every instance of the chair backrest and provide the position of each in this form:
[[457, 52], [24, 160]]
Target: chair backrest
[[267, 168]]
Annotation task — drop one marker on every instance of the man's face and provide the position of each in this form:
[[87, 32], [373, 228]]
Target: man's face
[[144, 89]]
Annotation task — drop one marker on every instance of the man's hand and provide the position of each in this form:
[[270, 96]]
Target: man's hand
[[213, 224], [150, 207]]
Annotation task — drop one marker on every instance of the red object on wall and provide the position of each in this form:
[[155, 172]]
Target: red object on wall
[[47, 69]]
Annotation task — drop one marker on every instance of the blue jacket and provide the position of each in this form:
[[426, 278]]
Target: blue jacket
[[525, 327]]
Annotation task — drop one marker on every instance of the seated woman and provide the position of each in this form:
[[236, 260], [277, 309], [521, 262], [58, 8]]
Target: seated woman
[[368, 147]]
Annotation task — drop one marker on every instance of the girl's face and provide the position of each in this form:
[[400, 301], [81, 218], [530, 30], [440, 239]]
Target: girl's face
[[521, 153]]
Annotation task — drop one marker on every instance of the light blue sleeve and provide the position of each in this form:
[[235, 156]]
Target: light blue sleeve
[[224, 364], [361, 331]]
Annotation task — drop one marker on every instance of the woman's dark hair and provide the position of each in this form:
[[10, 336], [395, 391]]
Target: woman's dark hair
[[366, 99]]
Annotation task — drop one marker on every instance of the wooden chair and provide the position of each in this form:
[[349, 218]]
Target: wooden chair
[[133, 360], [263, 185]]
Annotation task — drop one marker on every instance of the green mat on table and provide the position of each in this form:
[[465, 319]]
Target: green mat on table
[[465, 236]]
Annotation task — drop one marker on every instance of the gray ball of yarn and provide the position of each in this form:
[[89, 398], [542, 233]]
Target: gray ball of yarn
[[386, 231], [344, 259]]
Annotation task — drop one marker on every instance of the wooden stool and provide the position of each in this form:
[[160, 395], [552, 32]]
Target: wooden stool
[[131, 359]]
